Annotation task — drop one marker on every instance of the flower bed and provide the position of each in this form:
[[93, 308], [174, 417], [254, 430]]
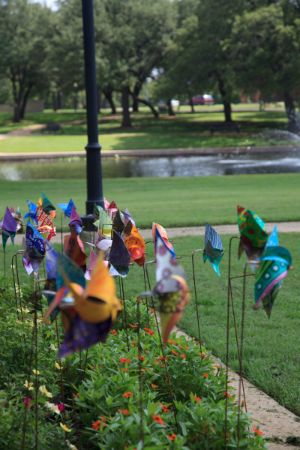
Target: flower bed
[[97, 400]]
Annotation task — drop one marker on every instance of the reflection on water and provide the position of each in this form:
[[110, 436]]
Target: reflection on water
[[154, 167]]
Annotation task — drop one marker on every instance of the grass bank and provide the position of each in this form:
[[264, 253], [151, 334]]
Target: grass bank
[[174, 201]]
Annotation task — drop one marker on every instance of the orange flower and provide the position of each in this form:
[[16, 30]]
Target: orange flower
[[172, 437], [183, 356], [174, 352], [205, 375], [127, 394], [164, 408], [161, 358], [149, 331], [197, 399], [227, 395], [125, 360], [142, 358], [125, 412], [114, 332], [171, 342], [257, 431], [158, 420], [154, 386], [96, 425]]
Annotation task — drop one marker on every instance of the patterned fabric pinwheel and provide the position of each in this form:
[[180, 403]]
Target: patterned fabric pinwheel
[[73, 245], [67, 207], [119, 256], [32, 212], [274, 265], [253, 234], [9, 228], [88, 313], [213, 248], [135, 244], [171, 287], [35, 249], [158, 230]]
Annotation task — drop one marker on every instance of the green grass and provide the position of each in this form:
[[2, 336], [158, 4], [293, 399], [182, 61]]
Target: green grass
[[271, 346], [174, 201], [186, 130]]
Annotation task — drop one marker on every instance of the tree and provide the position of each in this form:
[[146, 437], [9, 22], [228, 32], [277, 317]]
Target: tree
[[132, 38], [265, 46], [24, 32]]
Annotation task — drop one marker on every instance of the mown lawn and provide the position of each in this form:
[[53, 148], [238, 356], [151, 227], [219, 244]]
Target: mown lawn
[[185, 130], [173, 201]]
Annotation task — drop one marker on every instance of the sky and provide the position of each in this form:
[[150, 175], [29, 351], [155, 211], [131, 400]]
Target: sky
[[50, 3]]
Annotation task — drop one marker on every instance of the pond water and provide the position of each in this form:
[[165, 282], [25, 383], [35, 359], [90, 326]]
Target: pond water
[[154, 167]]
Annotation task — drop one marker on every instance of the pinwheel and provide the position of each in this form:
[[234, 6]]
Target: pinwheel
[[213, 248], [67, 207], [35, 249], [73, 245], [103, 223], [158, 230], [119, 257], [9, 228], [274, 265], [46, 205], [135, 244], [253, 235], [88, 312], [32, 212], [171, 288]]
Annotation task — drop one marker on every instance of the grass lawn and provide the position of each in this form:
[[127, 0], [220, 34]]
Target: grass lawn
[[174, 201], [271, 346], [186, 130]]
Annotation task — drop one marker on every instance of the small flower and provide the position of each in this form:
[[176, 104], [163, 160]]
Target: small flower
[[149, 331], [158, 420], [28, 385], [257, 431], [27, 402], [183, 356], [154, 386], [60, 406], [127, 394], [65, 427], [171, 437], [125, 360], [125, 412], [174, 352], [171, 342], [114, 332], [142, 358], [227, 395], [197, 399], [96, 425], [52, 407], [205, 375], [161, 358], [164, 408], [43, 390], [58, 366], [36, 372]]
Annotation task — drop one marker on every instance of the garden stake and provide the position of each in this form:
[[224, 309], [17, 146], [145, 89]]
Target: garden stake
[[141, 408], [16, 283], [125, 324], [229, 290], [36, 417], [196, 295]]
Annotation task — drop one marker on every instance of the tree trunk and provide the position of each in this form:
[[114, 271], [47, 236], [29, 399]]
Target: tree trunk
[[191, 103], [24, 103], [108, 94], [293, 120], [126, 119], [135, 97], [170, 108], [149, 104], [225, 101]]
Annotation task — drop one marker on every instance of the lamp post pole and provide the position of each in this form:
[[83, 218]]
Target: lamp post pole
[[93, 148]]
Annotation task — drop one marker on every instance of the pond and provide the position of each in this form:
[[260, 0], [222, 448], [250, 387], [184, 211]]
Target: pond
[[155, 167]]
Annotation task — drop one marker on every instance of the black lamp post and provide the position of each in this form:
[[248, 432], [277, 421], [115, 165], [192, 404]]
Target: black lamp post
[[93, 148]]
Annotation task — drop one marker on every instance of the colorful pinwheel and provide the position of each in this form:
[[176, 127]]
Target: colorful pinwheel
[[9, 227], [253, 234], [213, 248]]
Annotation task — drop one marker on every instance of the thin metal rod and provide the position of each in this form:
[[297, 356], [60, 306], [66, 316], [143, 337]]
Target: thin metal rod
[[196, 298]]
